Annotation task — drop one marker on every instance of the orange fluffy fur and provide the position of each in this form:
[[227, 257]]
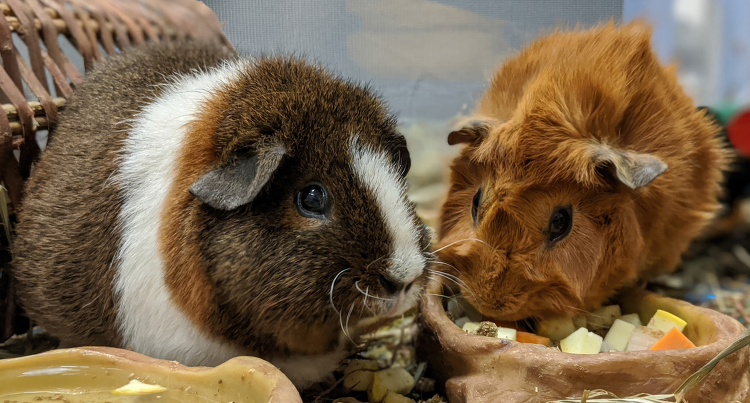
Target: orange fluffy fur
[[542, 116]]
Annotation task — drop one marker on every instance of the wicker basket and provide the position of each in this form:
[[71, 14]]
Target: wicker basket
[[96, 29]]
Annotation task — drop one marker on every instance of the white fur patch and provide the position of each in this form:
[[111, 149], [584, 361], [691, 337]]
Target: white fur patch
[[150, 322], [305, 370], [382, 179]]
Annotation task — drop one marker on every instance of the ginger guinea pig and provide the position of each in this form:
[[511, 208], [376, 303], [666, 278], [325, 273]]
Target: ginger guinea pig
[[195, 206], [585, 169]]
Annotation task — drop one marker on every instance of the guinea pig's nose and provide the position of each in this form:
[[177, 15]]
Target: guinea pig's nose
[[390, 286]]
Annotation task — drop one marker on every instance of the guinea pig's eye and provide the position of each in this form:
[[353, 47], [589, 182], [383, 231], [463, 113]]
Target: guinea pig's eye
[[560, 224], [312, 201], [475, 205]]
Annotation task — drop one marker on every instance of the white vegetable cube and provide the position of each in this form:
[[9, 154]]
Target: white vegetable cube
[[603, 317], [642, 338], [506, 333], [665, 321], [581, 342], [632, 318], [395, 379], [471, 327], [619, 335], [460, 322], [556, 328], [606, 348]]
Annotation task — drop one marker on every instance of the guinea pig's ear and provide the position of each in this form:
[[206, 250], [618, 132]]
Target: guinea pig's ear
[[238, 183], [469, 134], [633, 169]]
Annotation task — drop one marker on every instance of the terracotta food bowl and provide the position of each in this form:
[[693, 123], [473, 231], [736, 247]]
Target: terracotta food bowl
[[89, 374], [483, 369]]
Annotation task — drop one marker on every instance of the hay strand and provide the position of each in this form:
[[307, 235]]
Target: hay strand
[[4, 212], [698, 376]]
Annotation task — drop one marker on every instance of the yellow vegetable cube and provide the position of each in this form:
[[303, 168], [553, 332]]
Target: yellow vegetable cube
[[359, 380], [395, 379], [665, 321]]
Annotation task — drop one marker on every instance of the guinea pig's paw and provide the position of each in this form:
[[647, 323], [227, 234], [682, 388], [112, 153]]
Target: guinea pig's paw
[[305, 370]]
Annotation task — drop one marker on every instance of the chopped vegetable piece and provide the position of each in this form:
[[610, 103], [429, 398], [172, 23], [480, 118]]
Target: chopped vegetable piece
[[460, 322], [665, 321], [471, 327], [643, 338], [581, 342], [505, 333], [619, 335], [356, 365], [488, 329], [603, 317], [556, 328], [632, 318], [606, 348], [138, 388], [359, 380], [501, 323], [674, 339], [395, 379], [525, 337]]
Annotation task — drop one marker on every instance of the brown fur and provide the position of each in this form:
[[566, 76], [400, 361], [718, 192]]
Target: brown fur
[[257, 276], [190, 284], [548, 117]]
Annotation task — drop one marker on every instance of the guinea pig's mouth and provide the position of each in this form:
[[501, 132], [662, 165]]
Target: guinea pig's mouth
[[392, 304]]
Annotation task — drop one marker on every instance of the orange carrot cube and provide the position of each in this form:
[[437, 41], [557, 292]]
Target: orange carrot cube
[[674, 339], [525, 337]]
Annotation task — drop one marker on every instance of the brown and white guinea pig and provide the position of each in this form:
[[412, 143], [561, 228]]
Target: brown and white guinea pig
[[196, 206], [585, 169]]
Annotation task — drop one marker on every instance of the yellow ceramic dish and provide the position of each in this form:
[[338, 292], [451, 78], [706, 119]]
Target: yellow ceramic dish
[[88, 375]]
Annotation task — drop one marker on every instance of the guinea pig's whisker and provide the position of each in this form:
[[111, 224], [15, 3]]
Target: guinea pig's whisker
[[366, 294], [457, 281], [437, 295], [462, 240], [333, 283], [449, 276], [351, 308], [446, 264]]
